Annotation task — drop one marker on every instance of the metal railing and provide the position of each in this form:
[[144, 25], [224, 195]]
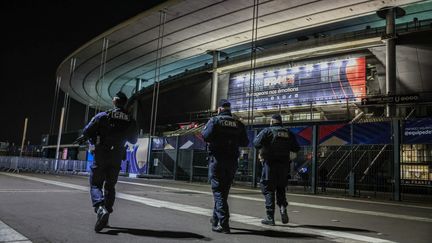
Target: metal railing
[[43, 165]]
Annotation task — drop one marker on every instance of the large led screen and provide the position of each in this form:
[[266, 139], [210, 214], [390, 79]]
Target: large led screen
[[319, 83]]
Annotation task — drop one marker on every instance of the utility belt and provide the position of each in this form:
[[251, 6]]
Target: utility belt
[[102, 144], [224, 155], [271, 155], [110, 147], [223, 149]]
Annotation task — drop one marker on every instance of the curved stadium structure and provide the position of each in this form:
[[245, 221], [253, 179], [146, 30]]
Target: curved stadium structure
[[174, 44], [316, 62]]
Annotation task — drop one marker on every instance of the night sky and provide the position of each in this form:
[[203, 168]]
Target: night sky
[[36, 36]]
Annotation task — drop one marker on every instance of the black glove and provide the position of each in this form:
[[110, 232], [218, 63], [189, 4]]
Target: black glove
[[80, 140]]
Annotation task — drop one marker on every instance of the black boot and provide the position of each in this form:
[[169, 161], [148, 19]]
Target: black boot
[[269, 219], [284, 215], [221, 229], [214, 222], [102, 218]]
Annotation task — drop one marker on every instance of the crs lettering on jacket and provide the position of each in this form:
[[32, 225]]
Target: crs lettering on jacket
[[120, 116], [282, 134], [226, 123]]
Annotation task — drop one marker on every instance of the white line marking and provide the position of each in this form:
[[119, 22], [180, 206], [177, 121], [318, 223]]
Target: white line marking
[[306, 205], [7, 234], [322, 197], [339, 209], [35, 190], [245, 219]]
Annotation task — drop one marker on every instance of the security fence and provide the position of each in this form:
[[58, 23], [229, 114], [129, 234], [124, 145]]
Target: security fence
[[388, 159], [350, 159], [190, 164], [369, 165], [44, 165]]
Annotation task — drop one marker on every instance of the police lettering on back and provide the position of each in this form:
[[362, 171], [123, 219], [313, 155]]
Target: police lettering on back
[[282, 134], [120, 116], [226, 123]]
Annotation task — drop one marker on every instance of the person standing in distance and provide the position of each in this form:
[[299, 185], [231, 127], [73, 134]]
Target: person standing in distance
[[224, 135], [275, 144], [108, 131]]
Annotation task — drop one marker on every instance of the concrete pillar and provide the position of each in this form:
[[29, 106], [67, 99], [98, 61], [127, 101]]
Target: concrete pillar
[[390, 14], [214, 87]]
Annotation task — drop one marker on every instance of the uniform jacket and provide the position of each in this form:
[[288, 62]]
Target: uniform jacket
[[111, 129], [225, 135], [275, 143]]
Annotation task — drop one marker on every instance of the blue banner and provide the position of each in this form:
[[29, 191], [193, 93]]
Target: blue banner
[[418, 131], [281, 87]]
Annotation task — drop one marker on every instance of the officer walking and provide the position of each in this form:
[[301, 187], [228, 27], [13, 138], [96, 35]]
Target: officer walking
[[275, 144], [108, 131], [225, 135]]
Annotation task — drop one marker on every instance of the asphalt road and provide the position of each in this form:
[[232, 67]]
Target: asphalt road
[[56, 208]]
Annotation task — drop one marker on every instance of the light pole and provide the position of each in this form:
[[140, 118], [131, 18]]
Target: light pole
[[24, 136]]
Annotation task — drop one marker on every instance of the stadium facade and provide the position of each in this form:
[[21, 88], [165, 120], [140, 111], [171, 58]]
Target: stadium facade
[[346, 76]]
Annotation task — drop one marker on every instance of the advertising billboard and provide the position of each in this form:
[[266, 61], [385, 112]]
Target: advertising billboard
[[319, 83]]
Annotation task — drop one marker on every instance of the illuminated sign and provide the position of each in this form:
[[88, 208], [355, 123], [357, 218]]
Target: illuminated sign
[[325, 83], [395, 99]]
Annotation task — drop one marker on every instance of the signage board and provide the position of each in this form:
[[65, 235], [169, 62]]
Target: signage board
[[325, 83], [390, 99]]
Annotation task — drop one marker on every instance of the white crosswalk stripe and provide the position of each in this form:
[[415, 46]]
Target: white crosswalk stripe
[[9, 235]]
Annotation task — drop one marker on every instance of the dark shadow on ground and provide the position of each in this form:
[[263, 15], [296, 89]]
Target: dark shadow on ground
[[330, 227], [154, 233], [272, 233]]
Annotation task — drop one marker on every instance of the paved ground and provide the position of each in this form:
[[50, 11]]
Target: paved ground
[[56, 208]]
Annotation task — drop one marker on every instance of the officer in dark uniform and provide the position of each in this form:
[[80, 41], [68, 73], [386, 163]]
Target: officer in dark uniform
[[108, 131], [275, 144], [225, 135]]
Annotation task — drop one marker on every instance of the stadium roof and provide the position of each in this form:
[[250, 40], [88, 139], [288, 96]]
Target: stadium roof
[[113, 60]]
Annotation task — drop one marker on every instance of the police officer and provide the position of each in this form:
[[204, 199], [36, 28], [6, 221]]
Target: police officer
[[225, 135], [275, 144], [108, 131]]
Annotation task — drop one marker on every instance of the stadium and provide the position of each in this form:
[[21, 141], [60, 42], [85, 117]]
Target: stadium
[[352, 79]]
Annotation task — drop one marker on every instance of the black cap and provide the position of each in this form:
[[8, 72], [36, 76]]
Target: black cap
[[277, 117], [224, 103], [120, 95]]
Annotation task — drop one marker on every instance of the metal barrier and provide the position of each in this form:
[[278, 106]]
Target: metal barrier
[[44, 165], [200, 166], [162, 163], [184, 164]]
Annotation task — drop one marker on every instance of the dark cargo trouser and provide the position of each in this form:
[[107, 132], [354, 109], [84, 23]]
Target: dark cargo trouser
[[221, 175], [274, 180], [103, 178]]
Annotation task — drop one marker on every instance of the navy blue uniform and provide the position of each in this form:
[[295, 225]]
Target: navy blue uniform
[[109, 131], [275, 144], [225, 135]]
